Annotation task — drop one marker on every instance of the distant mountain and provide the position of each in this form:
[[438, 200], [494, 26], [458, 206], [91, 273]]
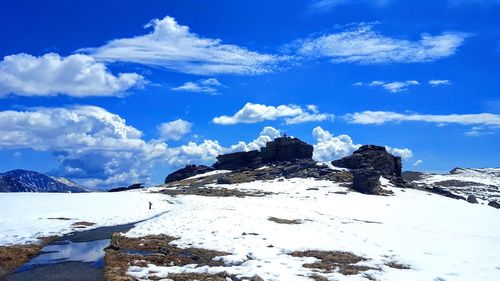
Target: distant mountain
[[483, 183], [30, 181]]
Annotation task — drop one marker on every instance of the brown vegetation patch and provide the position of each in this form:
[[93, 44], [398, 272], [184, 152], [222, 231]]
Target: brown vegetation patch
[[330, 261], [284, 221], [60, 218], [13, 256], [397, 265], [82, 224], [153, 249], [212, 192]]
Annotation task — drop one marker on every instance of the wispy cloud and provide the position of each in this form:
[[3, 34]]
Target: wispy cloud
[[484, 123], [50, 75], [174, 47], [435, 83], [393, 87], [291, 114], [320, 6], [362, 44], [418, 163], [208, 86]]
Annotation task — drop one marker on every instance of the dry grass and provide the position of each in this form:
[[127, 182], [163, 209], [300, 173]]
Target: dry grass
[[397, 265], [14, 256], [284, 221], [158, 250], [330, 261], [82, 224]]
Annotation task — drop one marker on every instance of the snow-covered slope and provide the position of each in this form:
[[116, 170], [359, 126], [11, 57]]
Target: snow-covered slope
[[30, 181], [438, 237], [482, 183]]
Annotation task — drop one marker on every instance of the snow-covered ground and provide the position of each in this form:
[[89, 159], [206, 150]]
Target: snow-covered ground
[[28, 216], [440, 238], [482, 183]]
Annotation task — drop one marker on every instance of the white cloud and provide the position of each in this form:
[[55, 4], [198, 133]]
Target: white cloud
[[175, 47], [381, 117], [361, 44], [418, 163], [267, 134], [326, 5], [329, 147], [49, 75], [174, 130], [291, 114], [404, 153], [393, 87], [209, 86], [435, 83]]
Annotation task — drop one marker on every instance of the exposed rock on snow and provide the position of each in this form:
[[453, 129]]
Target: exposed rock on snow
[[186, 172], [372, 156], [483, 184], [238, 160], [366, 181]]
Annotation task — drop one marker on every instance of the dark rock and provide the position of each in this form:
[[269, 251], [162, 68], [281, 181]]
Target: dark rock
[[238, 160], [472, 199], [131, 187], [285, 149], [494, 204], [186, 172], [366, 180], [412, 176], [372, 156], [444, 192]]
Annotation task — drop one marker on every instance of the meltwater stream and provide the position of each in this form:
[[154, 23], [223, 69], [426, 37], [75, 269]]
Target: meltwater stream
[[78, 256]]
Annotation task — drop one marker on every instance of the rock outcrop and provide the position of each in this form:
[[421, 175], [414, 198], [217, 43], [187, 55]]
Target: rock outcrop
[[372, 156], [278, 150], [237, 160], [286, 149], [187, 172], [366, 181]]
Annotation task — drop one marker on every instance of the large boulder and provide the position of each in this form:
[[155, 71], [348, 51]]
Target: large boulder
[[286, 149], [372, 156], [187, 172], [238, 160], [366, 181]]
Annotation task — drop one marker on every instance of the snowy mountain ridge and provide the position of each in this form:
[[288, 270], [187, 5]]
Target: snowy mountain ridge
[[31, 181]]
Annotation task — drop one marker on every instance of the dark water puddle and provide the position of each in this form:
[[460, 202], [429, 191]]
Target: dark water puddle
[[78, 256]]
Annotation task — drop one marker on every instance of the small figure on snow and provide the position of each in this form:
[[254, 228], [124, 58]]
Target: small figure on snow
[[284, 135], [150, 204]]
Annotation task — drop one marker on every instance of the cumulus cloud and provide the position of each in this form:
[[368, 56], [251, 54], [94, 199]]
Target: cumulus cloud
[[435, 83], [393, 87], [99, 149], [208, 86], [174, 47], [174, 130], [291, 114], [48, 75], [329, 147], [362, 44]]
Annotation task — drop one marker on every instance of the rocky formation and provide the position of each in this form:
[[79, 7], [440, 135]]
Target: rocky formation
[[31, 181], [372, 156], [472, 199], [366, 180], [238, 160], [286, 149], [126, 188], [279, 150], [187, 172], [494, 204], [298, 168]]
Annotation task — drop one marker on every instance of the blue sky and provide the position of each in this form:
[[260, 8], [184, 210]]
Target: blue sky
[[113, 92]]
